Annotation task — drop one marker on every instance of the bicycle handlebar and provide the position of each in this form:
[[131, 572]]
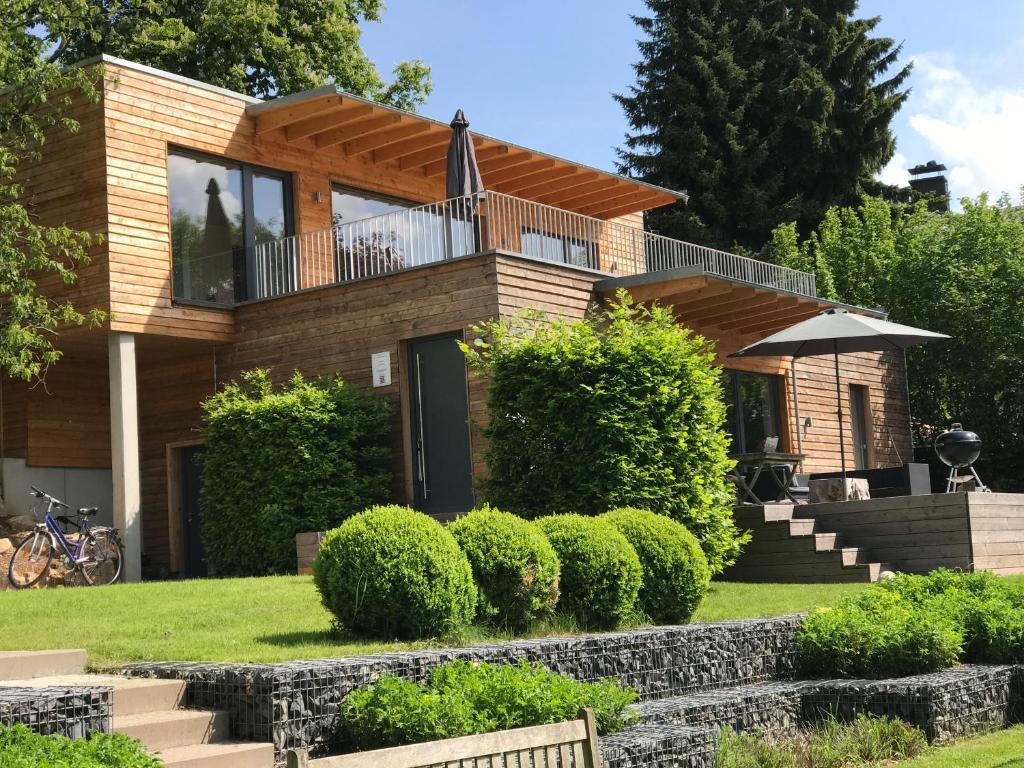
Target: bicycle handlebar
[[43, 495]]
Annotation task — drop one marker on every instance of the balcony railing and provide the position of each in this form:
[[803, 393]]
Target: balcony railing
[[463, 226]]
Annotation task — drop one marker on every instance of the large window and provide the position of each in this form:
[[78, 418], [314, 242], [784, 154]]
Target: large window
[[752, 402], [560, 248], [220, 210], [348, 205]]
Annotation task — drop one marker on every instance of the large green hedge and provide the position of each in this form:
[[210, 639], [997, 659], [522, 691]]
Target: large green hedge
[[623, 409], [303, 457]]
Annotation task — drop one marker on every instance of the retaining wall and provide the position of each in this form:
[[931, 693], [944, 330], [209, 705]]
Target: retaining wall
[[296, 704], [71, 712]]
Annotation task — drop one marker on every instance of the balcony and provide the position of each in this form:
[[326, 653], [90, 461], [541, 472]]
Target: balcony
[[492, 221]]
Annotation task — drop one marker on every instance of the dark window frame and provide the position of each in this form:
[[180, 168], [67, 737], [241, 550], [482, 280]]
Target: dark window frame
[[736, 421], [244, 269]]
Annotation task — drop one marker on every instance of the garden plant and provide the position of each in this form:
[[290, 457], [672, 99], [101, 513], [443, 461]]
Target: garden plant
[[676, 575], [623, 408], [21, 747], [515, 568], [280, 461], [601, 572], [392, 572], [460, 699]]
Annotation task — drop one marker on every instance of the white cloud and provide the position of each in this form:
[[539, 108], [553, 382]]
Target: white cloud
[[895, 171], [972, 126]]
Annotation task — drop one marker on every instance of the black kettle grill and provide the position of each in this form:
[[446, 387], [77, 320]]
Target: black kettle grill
[[959, 448]]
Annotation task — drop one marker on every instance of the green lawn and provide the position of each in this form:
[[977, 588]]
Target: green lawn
[[266, 619], [1003, 749]]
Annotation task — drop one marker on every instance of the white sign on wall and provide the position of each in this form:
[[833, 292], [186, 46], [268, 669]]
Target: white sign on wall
[[380, 367]]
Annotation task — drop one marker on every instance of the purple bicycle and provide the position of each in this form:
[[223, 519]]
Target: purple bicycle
[[95, 553]]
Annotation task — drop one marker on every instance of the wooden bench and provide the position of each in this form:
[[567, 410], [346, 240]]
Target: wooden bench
[[571, 744]]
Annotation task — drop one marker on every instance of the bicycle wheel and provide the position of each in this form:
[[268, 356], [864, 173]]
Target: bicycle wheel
[[30, 562], [101, 558]]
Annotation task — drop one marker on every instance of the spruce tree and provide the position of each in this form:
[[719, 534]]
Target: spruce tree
[[763, 111]]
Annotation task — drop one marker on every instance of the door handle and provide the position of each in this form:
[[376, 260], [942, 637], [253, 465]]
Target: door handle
[[421, 447]]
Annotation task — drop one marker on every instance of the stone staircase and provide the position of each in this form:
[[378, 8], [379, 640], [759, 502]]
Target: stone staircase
[[149, 710], [788, 549]]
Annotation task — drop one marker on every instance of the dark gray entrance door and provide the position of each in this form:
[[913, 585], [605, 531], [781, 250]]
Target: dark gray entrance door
[[442, 462], [191, 513]]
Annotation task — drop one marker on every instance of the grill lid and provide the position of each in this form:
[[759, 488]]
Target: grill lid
[[958, 447]]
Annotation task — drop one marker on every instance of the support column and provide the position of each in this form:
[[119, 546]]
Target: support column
[[124, 449]]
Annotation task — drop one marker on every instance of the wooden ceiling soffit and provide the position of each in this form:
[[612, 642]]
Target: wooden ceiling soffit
[[323, 122], [590, 196], [714, 296], [483, 157], [570, 182], [632, 199], [357, 128], [645, 204], [492, 177], [730, 309], [549, 178], [279, 118], [769, 326], [562, 196], [661, 292], [431, 146], [781, 309], [381, 139]]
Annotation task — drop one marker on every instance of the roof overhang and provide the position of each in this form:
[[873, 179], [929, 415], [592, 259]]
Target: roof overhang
[[329, 120], [717, 305]]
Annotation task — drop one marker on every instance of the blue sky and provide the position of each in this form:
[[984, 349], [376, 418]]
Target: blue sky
[[542, 74]]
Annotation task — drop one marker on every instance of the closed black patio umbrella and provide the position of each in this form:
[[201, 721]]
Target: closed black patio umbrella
[[837, 331], [462, 181]]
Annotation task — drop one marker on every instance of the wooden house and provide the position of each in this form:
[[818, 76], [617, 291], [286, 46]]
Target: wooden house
[[310, 232]]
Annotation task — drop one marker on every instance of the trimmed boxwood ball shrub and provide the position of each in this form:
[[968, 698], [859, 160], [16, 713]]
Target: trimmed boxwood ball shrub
[[515, 568], [460, 699], [601, 573], [392, 572], [676, 573], [283, 460]]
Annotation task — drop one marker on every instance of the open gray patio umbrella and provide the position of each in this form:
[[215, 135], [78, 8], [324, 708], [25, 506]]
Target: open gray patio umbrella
[[835, 332]]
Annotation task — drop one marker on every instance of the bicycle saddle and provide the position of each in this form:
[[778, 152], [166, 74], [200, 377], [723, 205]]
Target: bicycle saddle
[[88, 511]]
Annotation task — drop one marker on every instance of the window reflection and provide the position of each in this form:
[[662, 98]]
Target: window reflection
[[206, 227], [752, 404]]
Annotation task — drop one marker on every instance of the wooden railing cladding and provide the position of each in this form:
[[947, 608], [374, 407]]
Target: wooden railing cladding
[[571, 744]]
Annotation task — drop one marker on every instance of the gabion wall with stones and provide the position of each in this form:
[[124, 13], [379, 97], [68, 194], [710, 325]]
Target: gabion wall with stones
[[660, 745], [72, 712], [296, 704], [946, 705], [774, 707]]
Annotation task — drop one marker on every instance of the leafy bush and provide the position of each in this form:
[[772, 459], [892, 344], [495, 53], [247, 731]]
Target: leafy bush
[[877, 634], [302, 458], [515, 568], [987, 609], [867, 740], [622, 409], [460, 699], [676, 574], [393, 572], [23, 748], [601, 573]]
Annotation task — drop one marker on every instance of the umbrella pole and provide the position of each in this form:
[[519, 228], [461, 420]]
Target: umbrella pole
[[839, 413]]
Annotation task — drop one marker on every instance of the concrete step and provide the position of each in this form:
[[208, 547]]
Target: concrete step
[[826, 542], [875, 570], [774, 512], [177, 728], [802, 527], [131, 695], [223, 755], [21, 665]]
